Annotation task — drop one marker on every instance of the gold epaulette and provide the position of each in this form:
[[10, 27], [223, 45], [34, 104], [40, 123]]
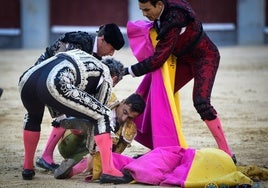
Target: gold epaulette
[[113, 101]]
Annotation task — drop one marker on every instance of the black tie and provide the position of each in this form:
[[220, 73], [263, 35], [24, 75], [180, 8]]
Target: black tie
[[156, 25]]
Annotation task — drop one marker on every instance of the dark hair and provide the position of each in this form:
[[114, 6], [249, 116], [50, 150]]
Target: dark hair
[[153, 2], [112, 35], [136, 102], [116, 67], [101, 31]]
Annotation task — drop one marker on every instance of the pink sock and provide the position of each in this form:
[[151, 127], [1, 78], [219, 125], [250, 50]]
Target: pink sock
[[54, 137], [217, 132], [104, 143], [79, 167], [120, 161], [30, 139]]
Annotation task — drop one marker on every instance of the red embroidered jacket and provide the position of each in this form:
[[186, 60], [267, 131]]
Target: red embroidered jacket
[[180, 33]]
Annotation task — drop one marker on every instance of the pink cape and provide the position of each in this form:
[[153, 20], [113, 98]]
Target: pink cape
[[176, 166], [169, 162], [161, 166], [156, 126]]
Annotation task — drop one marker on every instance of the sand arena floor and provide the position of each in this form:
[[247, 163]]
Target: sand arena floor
[[239, 95]]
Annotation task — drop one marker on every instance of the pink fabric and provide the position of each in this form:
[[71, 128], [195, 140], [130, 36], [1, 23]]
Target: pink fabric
[[104, 143], [156, 126], [31, 140], [54, 137], [163, 166], [120, 161], [178, 176], [139, 39], [79, 167], [217, 132], [167, 163]]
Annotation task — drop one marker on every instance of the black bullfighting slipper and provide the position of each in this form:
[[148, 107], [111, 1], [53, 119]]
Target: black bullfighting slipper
[[127, 176], [40, 162], [27, 174], [76, 123], [1, 91], [234, 159], [64, 169], [106, 178]]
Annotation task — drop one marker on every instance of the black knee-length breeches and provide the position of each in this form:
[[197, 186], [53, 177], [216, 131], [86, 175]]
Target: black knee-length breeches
[[75, 83]]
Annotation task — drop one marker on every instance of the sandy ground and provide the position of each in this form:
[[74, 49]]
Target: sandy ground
[[239, 95]]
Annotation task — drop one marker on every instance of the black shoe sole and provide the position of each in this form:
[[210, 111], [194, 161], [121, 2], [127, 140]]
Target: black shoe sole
[[106, 178], [41, 163], [28, 174], [63, 171], [1, 92], [76, 123], [234, 159]]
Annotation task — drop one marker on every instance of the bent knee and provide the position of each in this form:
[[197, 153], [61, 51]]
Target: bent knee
[[32, 122], [205, 109]]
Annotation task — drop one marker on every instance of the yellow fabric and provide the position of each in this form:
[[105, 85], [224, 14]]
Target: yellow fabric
[[168, 72], [129, 131], [112, 101], [124, 136], [97, 168], [213, 166]]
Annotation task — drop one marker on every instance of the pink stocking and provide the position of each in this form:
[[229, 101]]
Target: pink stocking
[[54, 137], [104, 142], [217, 132], [30, 139], [79, 167]]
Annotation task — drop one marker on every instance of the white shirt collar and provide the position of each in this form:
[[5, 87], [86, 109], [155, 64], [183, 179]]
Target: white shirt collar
[[95, 45], [161, 13], [158, 19]]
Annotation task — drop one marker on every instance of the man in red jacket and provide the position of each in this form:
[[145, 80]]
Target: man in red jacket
[[181, 34]]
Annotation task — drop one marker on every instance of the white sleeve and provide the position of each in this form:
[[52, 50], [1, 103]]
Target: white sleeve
[[130, 72]]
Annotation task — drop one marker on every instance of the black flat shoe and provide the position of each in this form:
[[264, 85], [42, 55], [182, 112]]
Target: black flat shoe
[[106, 178], [40, 162], [28, 174], [1, 91], [234, 159], [64, 169]]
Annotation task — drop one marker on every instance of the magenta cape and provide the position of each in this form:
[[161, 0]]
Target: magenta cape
[[159, 128], [176, 166], [160, 124]]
